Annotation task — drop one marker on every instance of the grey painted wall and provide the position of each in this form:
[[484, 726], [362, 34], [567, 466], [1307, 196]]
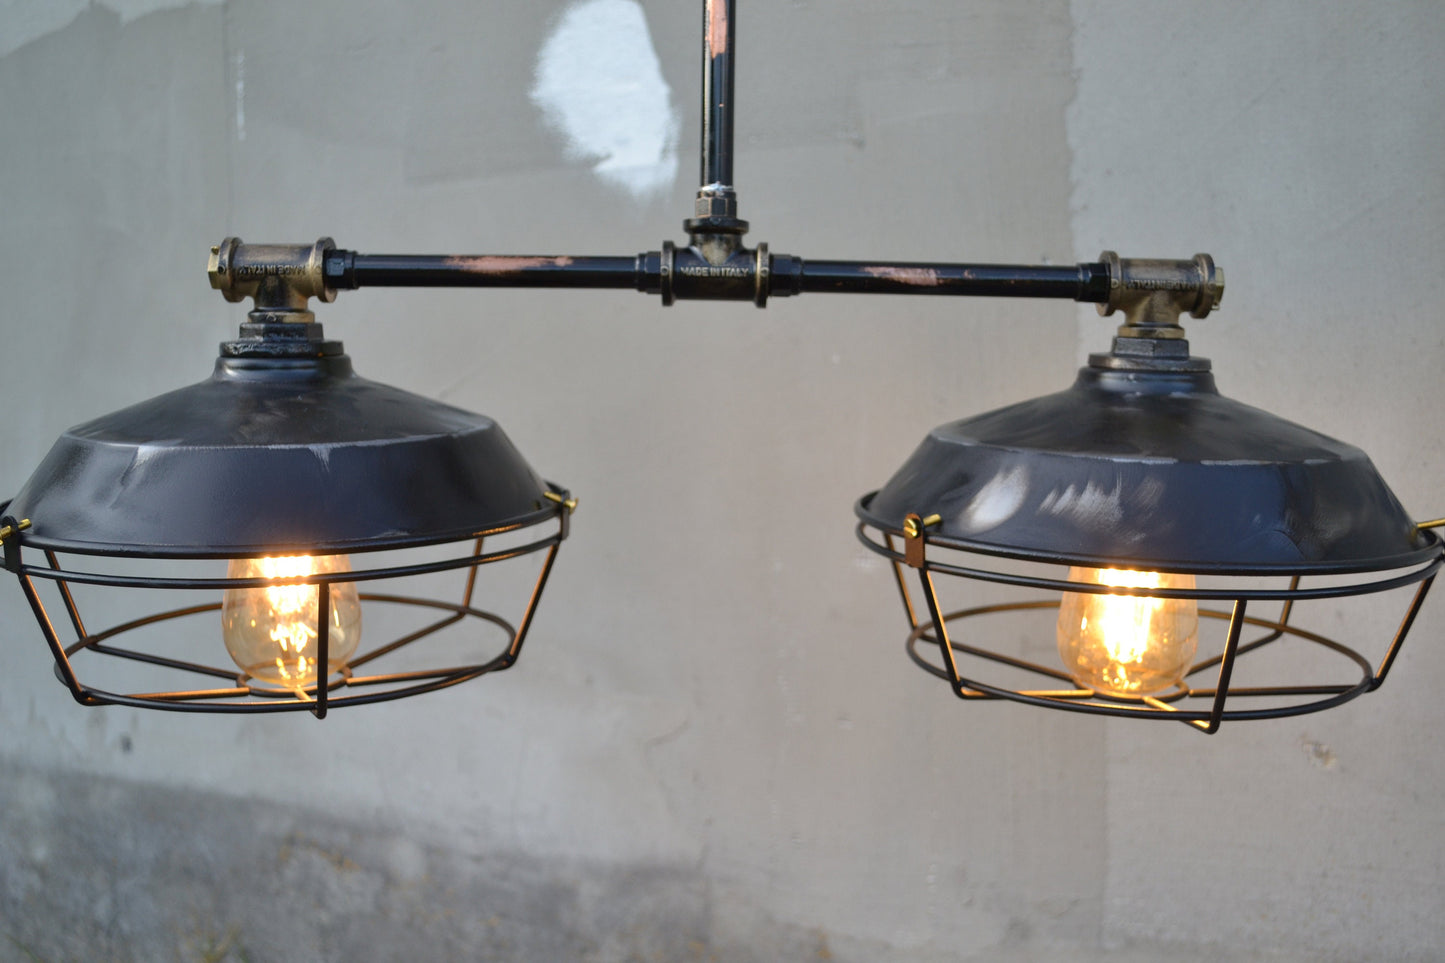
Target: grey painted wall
[[715, 748]]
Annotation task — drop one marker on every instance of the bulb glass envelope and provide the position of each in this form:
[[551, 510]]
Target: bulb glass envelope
[[282, 451], [1142, 467]]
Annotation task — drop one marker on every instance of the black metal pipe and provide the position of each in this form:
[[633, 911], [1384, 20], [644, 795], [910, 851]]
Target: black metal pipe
[[718, 34], [694, 279], [1078, 282], [347, 270]]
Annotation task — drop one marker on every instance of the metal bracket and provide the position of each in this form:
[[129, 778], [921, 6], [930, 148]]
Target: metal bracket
[[567, 502], [913, 537], [10, 527]]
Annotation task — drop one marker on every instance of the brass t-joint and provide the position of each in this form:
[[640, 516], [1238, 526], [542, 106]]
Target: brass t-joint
[[1152, 293], [281, 278]]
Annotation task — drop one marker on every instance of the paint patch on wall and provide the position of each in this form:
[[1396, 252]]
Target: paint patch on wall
[[238, 65], [599, 84], [22, 21]]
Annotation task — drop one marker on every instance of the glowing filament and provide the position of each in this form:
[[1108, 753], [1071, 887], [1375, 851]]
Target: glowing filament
[[1127, 645], [272, 632]]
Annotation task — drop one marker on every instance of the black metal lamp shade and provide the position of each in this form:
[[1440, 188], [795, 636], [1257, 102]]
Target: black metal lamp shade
[[282, 451], [1147, 468], [270, 454]]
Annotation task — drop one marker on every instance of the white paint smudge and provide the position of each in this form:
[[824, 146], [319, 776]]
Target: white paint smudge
[[132, 9], [1092, 506], [996, 501], [240, 71], [598, 83], [23, 21]]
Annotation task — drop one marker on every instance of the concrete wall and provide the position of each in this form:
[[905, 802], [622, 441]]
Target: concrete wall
[[715, 748]]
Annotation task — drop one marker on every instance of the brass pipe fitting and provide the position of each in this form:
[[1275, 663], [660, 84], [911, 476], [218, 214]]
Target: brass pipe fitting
[[1152, 293], [281, 278]]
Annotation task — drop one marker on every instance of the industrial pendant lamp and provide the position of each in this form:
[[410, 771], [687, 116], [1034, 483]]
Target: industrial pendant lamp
[[1134, 498], [298, 473], [284, 490]]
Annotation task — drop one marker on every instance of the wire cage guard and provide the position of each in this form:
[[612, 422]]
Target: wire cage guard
[[1194, 701], [540, 533]]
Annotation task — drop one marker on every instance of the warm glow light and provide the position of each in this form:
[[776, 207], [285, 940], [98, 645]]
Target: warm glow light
[[271, 632], [1127, 645]]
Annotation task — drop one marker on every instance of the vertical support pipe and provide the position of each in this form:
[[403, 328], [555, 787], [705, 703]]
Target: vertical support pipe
[[717, 92]]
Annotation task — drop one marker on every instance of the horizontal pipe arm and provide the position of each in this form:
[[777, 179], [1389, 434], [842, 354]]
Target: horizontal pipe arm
[[1079, 282], [282, 277], [346, 270]]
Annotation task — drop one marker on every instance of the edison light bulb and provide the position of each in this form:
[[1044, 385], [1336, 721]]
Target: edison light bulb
[[271, 632], [1127, 645]]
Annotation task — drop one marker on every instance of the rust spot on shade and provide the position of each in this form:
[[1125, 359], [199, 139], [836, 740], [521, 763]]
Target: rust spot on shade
[[918, 277], [502, 264], [717, 26]]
